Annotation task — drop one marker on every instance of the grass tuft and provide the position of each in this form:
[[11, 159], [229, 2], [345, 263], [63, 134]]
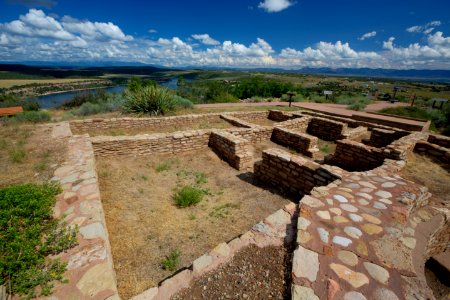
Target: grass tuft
[[17, 155], [164, 166], [171, 261], [188, 196]]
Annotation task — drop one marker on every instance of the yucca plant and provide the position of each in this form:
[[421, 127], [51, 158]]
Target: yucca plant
[[149, 100]]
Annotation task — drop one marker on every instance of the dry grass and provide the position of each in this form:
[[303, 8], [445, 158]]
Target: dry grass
[[218, 124], [28, 154], [7, 83], [145, 226], [425, 171]]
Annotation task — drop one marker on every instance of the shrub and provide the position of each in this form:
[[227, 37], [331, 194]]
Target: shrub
[[182, 102], [32, 116], [172, 261], [161, 167], [188, 196], [29, 233], [17, 155], [109, 103], [150, 100]]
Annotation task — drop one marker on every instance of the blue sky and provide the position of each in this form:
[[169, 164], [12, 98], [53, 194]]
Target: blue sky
[[235, 33]]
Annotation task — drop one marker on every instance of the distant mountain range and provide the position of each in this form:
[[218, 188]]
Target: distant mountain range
[[64, 69]]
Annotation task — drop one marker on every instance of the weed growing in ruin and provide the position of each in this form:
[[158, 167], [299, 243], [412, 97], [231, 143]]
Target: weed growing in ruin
[[222, 211], [164, 166], [171, 261], [3, 144], [192, 217], [188, 196], [17, 154], [325, 149], [144, 177], [200, 178]]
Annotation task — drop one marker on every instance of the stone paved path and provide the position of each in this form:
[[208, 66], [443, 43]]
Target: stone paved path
[[90, 267], [355, 239]]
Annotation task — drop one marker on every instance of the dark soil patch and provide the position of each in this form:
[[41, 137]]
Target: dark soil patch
[[254, 273]]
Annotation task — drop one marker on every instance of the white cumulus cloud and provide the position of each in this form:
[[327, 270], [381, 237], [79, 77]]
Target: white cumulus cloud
[[205, 39], [367, 35], [275, 5]]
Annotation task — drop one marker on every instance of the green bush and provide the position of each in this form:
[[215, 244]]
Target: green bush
[[188, 196], [182, 102], [172, 261], [29, 233], [32, 117], [149, 100]]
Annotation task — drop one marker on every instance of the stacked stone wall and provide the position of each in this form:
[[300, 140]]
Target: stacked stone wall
[[255, 135], [404, 126], [292, 173], [172, 143], [84, 126], [355, 156], [299, 124], [443, 141], [301, 142], [234, 150], [440, 153], [251, 115], [327, 130], [439, 242], [280, 116], [236, 121], [383, 137]]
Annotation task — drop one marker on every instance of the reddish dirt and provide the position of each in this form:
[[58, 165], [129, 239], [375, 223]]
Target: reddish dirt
[[254, 273]]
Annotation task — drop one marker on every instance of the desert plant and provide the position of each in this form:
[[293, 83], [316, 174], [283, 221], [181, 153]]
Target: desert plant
[[29, 233], [17, 154], [32, 117], [182, 102], [161, 167], [188, 196], [171, 261], [149, 100]]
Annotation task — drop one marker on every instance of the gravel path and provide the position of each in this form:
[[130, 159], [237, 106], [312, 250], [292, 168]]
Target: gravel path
[[254, 273]]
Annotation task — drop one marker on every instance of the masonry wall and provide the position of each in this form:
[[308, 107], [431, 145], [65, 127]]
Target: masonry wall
[[236, 121], [299, 124], [440, 239], [234, 150], [301, 142], [291, 173], [383, 137], [354, 156], [443, 141], [84, 126], [250, 116], [327, 130], [280, 116], [257, 134], [440, 153], [177, 142]]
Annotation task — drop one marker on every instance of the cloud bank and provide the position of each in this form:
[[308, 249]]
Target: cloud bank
[[38, 36]]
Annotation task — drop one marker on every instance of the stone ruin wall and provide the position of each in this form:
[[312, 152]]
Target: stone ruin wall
[[84, 126], [234, 150], [172, 143], [326, 129], [383, 137], [291, 173], [443, 141], [356, 156], [300, 142]]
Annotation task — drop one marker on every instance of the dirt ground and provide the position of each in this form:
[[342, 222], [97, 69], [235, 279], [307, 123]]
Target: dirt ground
[[145, 226], [254, 273], [219, 124], [425, 171], [28, 154]]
